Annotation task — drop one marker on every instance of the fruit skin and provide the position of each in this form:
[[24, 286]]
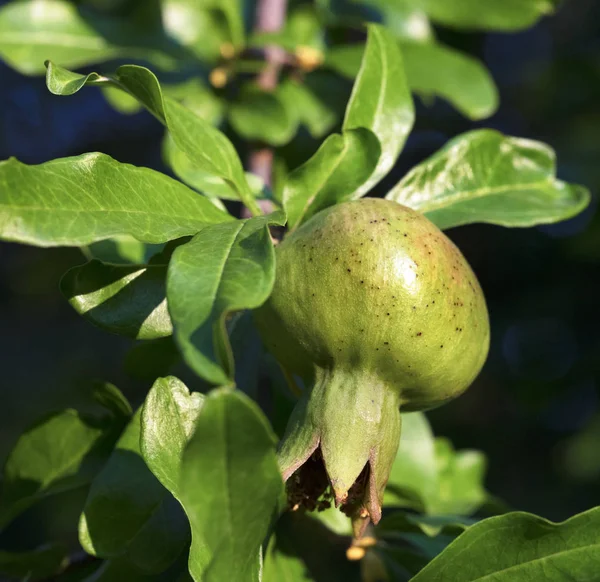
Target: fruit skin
[[376, 310]]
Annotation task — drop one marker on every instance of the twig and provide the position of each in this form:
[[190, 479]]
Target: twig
[[270, 17]]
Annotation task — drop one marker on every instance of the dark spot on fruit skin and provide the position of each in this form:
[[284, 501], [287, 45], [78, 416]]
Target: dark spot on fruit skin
[[349, 270], [420, 333], [442, 346], [362, 282], [386, 343]]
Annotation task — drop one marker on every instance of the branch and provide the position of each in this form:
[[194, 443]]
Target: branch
[[270, 17]]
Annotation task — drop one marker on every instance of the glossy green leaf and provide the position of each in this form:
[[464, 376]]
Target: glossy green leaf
[[506, 15], [79, 200], [208, 148], [379, 116], [484, 176], [259, 115], [428, 475], [169, 418], [128, 300], [381, 101], [60, 452], [205, 182], [168, 421], [221, 270], [335, 173], [433, 69], [230, 486], [37, 564], [128, 512], [529, 548]]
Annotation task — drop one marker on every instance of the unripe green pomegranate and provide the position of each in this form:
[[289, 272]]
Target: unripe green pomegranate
[[377, 311]]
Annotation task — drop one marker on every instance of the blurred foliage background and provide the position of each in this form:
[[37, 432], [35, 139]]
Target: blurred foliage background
[[534, 410]]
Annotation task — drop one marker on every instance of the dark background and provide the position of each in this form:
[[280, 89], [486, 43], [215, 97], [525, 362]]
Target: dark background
[[534, 410]]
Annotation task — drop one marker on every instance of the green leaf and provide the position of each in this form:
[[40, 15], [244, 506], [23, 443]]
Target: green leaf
[[335, 173], [484, 176], [222, 269], [205, 182], [345, 59], [436, 70], [37, 564], [169, 417], [259, 115], [121, 102], [79, 200], [506, 15], [433, 69], [233, 13], [112, 399], [413, 477], [32, 31], [121, 250], [428, 475], [196, 26], [532, 548], [197, 97], [306, 107], [60, 452], [381, 101], [128, 300], [206, 146], [230, 486], [379, 116], [129, 513], [460, 478], [405, 21]]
